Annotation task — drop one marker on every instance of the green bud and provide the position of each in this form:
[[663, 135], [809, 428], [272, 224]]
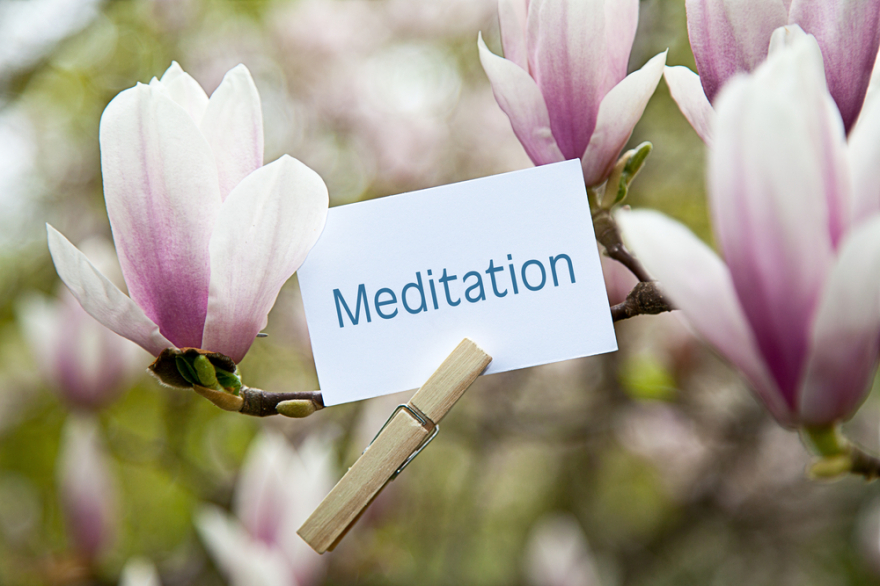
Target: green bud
[[295, 408], [831, 467], [206, 372], [626, 169], [825, 441]]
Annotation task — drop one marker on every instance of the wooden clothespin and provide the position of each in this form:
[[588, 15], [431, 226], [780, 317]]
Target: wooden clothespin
[[404, 435]]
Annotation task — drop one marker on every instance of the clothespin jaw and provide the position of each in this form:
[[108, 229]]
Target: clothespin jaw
[[404, 435]]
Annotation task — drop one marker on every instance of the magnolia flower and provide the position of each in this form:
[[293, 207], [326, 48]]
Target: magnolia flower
[[563, 83], [206, 235], [278, 489], [796, 307], [731, 36], [88, 493]]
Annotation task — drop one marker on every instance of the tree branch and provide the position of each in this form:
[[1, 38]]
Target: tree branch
[[646, 298], [608, 236]]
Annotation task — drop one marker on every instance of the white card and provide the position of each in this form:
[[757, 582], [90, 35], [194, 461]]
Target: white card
[[510, 261]]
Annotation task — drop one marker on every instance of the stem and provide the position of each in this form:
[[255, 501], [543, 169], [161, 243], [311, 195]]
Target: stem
[[646, 298], [608, 235], [261, 403]]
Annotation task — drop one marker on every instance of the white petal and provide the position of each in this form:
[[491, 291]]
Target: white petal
[[186, 91], [687, 91], [512, 16], [101, 298], [266, 228], [864, 154], [518, 95], [846, 333], [619, 112], [233, 126], [699, 284]]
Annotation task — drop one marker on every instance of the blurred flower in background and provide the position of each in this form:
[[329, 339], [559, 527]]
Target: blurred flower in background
[[139, 572], [85, 363], [88, 491], [278, 488], [558, 554]]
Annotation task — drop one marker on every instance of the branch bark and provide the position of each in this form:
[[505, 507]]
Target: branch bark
[[608, 235], [646, 298]]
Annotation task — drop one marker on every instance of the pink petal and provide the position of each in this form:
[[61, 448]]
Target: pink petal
[[578, 51], [160, 184], [687, 91], [864, 153], [185, 91], [619, 112], [101, 298], [699, 284], [845, 338], [848, 31], [512, 16], [233, 126], [777, 175], [266, 228], [730, 36], [519, 97]]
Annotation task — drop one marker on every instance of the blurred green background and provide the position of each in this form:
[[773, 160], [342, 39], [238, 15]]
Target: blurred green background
[[650, 466]]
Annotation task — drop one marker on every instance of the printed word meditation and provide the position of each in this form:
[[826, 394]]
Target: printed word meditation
[[533, 275]]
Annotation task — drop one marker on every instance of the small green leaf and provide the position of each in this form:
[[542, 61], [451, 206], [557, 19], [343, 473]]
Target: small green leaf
[[186, 370], [229, 381]]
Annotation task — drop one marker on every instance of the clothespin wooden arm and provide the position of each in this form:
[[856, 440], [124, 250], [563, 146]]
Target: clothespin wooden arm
[[408, 430]]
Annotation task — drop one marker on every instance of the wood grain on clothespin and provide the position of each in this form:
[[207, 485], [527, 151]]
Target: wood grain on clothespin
[[403, 436]]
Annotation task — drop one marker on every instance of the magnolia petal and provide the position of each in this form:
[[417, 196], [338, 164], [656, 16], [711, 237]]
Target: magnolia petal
[[160, 185], [139, 572], [233, 126], [512, 16], [698, 283], [687, 91], [864, 152], [845, 338], [186, 91], [777, 174], [262, 494], [619, 112], [578, 51], [730, 36], [849, 33], [266, 228], [519, 97], [244, 560], [101, 298]]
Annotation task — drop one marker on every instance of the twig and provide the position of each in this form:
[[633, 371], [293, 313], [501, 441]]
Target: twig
[[608, 236], [262, 403], [646, 298]]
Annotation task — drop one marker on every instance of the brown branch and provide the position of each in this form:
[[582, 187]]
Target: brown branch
[[263, 403], [864, 464], [608, 235], [646, 298]]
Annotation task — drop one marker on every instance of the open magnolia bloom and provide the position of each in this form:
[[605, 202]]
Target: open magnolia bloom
[[796, 306], [733, 36], [563, 80], [205, 233]]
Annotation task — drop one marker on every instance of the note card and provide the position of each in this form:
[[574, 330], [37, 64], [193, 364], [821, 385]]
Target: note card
[[509, 261]]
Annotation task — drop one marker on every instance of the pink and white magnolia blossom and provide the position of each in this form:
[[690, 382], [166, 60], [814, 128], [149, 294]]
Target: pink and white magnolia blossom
[[563, 80], [277, 490], [206, 234], [733, 36], [796, 306]]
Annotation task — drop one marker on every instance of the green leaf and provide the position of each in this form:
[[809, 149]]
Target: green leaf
[[186, 370]]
